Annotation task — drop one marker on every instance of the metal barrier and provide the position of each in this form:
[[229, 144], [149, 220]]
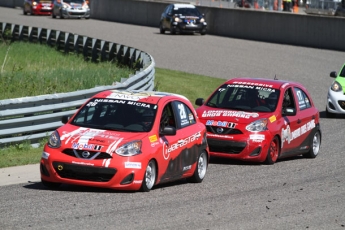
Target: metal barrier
[[33, 118], [321, 7]]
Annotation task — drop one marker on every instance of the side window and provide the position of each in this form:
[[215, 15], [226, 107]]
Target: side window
[[183, 114], [288, 100], [303, 100], [167, 118]]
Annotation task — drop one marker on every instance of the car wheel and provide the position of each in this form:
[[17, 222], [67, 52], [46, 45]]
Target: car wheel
[[201, 168], [161, 29], [273, 151], [53, 15], [149, 177], [329, 114], [314, 146], [203, 32], [31, 12], [24, 12], [50, 185]]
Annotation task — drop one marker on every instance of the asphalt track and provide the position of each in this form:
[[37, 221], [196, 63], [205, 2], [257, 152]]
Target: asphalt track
[[295, 193]]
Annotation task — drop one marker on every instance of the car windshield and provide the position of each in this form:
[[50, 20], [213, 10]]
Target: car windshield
[[114, 114], [187, 11], [244, 98]]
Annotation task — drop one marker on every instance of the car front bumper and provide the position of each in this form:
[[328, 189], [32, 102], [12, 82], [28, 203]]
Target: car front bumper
[[183, 27], [75, 13], [122, 173], [252, 147], [336, 102]]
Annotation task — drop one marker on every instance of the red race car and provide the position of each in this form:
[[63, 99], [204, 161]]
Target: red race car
[[127, 141], [260, 120], [37, 7]]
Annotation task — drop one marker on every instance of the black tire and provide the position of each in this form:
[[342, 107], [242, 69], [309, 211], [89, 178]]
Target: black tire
[[329, 114], [314, 146], [24, 12], [203, 32], [53, 15], [273, 151], [161, 29], [201, 168], [50, 185], [61, 16], [31, 12], [150, 176]]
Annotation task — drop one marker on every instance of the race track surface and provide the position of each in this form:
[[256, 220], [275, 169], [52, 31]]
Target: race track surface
[[295, 193]]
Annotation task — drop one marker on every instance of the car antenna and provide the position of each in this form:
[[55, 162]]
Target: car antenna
[[275, 77]]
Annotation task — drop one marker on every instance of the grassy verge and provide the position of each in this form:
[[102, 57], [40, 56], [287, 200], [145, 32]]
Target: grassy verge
[[42, 72]]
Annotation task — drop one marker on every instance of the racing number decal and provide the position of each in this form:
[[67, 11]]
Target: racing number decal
[[182, 110]]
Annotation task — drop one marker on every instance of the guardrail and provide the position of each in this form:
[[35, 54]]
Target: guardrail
[[33, 118]]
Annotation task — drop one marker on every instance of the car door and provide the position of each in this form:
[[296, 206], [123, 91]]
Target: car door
[[178, 151], [291, 123], [306, 115], [167, 17]]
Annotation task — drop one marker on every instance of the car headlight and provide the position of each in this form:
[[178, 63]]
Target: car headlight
[[54, 140], [177, 19], [258, 125], [86, 7], [34, 3], [336, 87], [130, 149], [65, 6], [202, 20]]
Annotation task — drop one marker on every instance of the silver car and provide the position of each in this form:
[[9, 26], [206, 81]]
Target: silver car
[[71, 9]]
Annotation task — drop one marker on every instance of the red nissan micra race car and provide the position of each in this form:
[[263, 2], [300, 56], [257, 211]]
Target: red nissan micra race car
[[127, 141], [260, 120], [37, 7]]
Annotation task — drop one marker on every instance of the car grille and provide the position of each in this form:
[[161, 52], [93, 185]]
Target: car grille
[[226, 146], [90, 155], [342, 104], [84, 172], [225, 131], [77, 13]]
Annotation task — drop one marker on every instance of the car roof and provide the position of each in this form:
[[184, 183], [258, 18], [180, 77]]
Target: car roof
[[183, 6], [275, 83], [136, 95]]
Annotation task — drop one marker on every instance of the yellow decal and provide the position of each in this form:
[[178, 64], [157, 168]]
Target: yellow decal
[[273, 118], [153, 138]]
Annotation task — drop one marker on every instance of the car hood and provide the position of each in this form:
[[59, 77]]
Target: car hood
[[213, 115], [95, 139]]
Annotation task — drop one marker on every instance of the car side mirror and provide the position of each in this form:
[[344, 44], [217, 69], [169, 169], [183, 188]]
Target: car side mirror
[[65, 119], [168, 131], [333, 74], [199, 101], [169, 14], [289, 111]]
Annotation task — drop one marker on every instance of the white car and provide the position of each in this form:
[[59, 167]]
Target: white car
[[71, 9], [336, 94]]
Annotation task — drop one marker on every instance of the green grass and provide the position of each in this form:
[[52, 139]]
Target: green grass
[[32, 70]]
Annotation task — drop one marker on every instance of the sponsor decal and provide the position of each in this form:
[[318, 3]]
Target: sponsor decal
[[76, 145], [272, 118], [106, 162], [288, 135], [125, 96], [153, 138], [187, 167], [133, 165], [224, 113], [179, 144], [137, 181], [221, 124], [82, 163], [257, 137], [220, 136], [45, 155], [154, 144]]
